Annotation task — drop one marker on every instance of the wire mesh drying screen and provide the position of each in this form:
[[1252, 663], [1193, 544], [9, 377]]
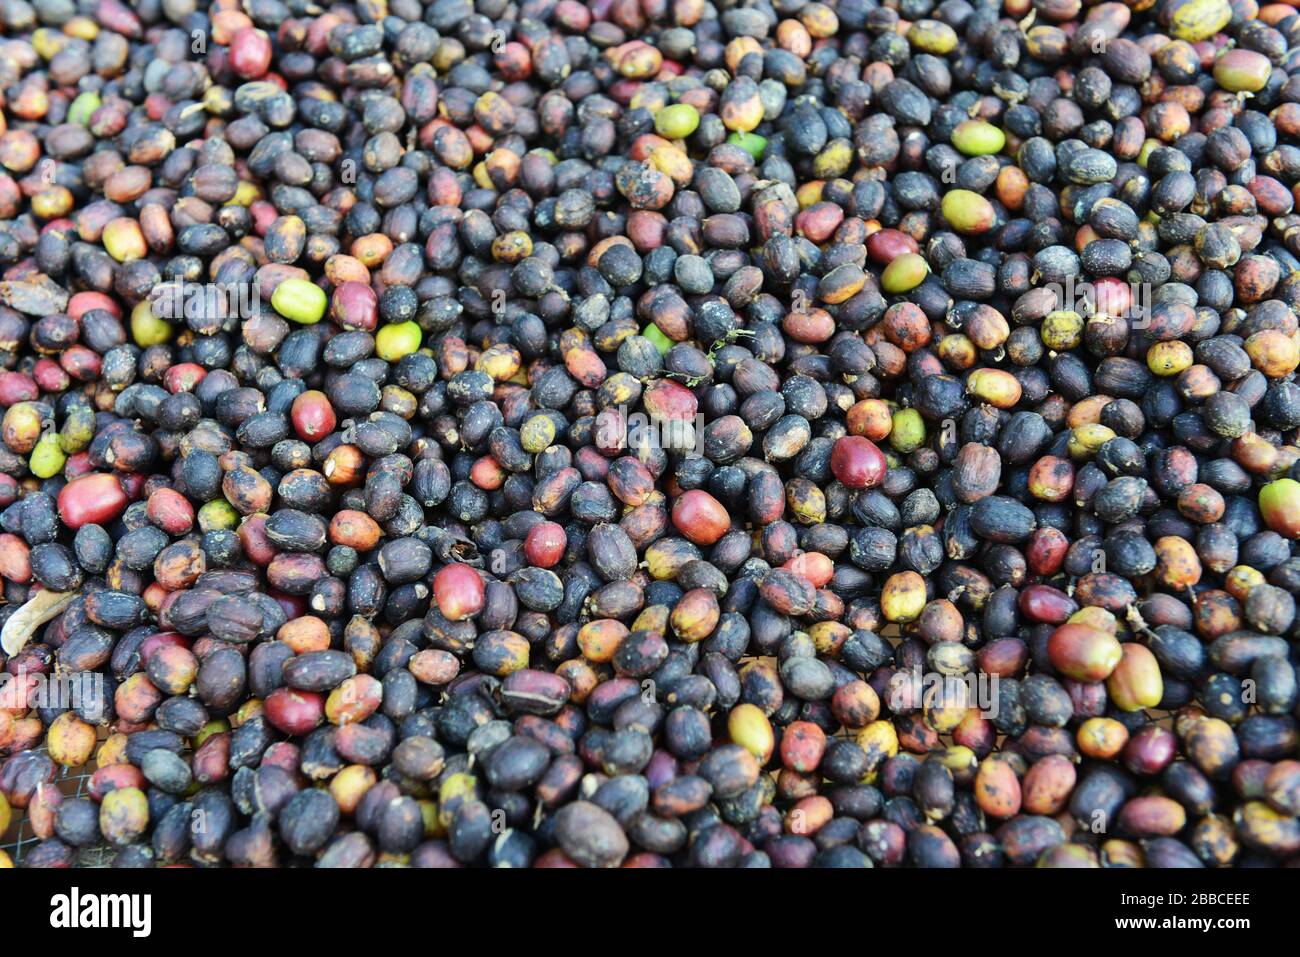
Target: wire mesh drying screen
[[20, 838]]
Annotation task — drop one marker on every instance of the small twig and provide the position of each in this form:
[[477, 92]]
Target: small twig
[[37, 610]]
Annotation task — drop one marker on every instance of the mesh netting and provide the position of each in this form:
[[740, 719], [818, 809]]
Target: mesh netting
[[19, 839]]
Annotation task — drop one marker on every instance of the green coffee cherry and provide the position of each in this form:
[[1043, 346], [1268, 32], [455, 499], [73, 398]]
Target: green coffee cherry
[[299, 300], [146, 328], [78, 429], [661, 341], [967, 212], [1061, 330], [217, 514], [1279, 504], [537, 434], [978, 138], [83, 108], [1196, 20], [397, 339], [678, 121], [834, 160], [217, 726], [47, 458], [904, 273], [1242, 71], [751, 143], [908, 431], [932, 36], [123, 240]]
